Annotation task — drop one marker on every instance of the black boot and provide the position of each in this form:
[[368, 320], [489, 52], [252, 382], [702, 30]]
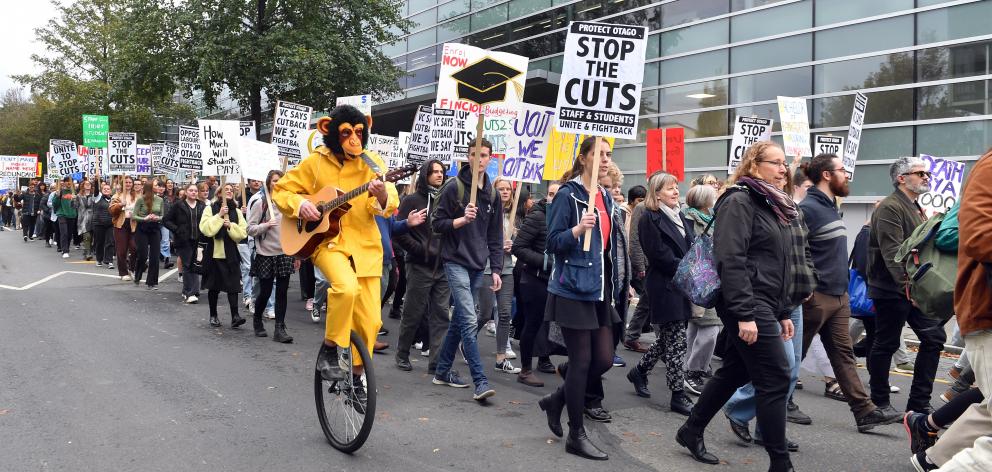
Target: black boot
[[327, 364], [781, 466], [693, 441], [169, 264], [681, 403], [579, 444], [280, 335], [640, 381], [237, 320], [214, 321], [552, 404], [256, 322]]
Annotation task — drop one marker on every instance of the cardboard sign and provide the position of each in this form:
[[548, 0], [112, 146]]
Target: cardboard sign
[[217, 140], [747, 131], [601, 78], [666, 152], [143, 159], [562, 149], [64, 158], [795, 126], [169, 162], [850, 156], [88, 159], [18, 166], [947, 178], [190, 157], [247, 129], [398, 157], [122, 152], [290, 124], [95, 129], [362, 102], [419, 149], [528, 145], [442, 135], [257, 158], [828, 145]]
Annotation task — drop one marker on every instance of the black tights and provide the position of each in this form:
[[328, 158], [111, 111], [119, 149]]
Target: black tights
[[265, 290], [953, 409], [590, 355], [530, 306], [232, 299]]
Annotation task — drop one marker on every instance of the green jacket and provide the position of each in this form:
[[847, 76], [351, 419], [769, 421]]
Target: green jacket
[[947, 234], [63, 206]]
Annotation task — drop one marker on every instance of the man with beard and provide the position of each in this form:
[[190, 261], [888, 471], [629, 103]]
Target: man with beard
[[828, 311], [894, 221]]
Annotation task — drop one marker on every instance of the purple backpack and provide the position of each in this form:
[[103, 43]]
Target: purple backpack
[[696, 277]]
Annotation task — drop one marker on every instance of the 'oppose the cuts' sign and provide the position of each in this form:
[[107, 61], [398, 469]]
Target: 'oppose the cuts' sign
[[601, 79]]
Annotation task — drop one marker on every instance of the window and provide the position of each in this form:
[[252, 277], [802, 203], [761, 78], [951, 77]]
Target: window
[[489, 38], [884, 143], [708, 153], [521, 8], [400, 62], [418, 5], [421, 40], [396, 48], [643, 125], [424, 19], [777, 52], [453, 29], [883, 107], [588, 10], [649, 102], [873, 180], [738, 5], [535, 47], [836, 11], [771, 21], [768, 86], [650, 17], [489, 17], [423, 76], [865, 37], [422, 58], [686, 11], [556, 63], [537, 24], [705, 124], [703, 35], [953, 61], [480, 4], [875, 71], [955, 22], [693, 96], [953, 100], [654, 46], [650, 74], [453, 9], [970, 138], [697, 66], [759, 111]]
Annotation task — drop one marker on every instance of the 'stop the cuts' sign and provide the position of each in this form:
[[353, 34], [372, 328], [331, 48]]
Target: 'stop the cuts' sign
[[601, 79], [122, 153]]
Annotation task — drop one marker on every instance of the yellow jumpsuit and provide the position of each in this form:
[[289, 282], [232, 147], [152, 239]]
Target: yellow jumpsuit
[[351, 261]]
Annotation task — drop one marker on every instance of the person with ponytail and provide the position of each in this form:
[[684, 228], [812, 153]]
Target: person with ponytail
[[581, 290], [148, 237], [224, 226], [270, 263], [121, 209]]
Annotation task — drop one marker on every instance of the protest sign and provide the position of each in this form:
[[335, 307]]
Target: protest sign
[[190, 157], [747, 131], [18, 166], [420, 138], [289, 128], [257, 158], [795, 126], [95, 129], [850, 156], [362, 102], [88, 159], [442, 135], [666, 151], [143, 159], [398, 156], [156, 154], [7, 183], [169, 161], [247, 129], [946, 180], [824, 144], [601, 79], [528, 144], [217, 141], [64, 158], [562, 149], [314, 139]]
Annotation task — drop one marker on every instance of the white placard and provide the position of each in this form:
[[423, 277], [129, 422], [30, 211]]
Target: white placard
[[64, 157], [257, 158], [247, 129], [823, 144], [854, 134], [217, 140], [601, 79], [362, 102], [795, 126], [290, 124], [190, 157], [169, 161], [398, 157], [747, 131], [442, 135], [946, 180], [528, 144], [419, 147], [18, 166], [122, 153], [157, 157], [8, 183]]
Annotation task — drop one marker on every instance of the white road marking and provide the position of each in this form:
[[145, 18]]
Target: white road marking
[[58, 274]]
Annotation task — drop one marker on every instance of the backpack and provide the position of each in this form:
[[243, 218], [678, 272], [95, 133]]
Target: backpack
[[932, 272], [461, 194]]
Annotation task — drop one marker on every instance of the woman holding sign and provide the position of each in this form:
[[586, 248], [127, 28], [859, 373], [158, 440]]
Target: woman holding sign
[[581, 290], [225, 227]]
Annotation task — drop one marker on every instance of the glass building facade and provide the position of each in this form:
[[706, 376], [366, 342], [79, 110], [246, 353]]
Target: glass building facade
[[924, 65]]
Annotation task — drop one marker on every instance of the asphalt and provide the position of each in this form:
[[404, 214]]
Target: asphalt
[[98, 374]]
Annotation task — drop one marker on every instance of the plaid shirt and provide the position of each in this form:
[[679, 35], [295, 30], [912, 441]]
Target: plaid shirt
[[801, 265]]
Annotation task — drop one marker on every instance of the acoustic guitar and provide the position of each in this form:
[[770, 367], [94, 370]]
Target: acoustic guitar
[[300, 238]]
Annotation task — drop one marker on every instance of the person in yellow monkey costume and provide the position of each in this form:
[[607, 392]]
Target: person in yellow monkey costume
[[352, 260]]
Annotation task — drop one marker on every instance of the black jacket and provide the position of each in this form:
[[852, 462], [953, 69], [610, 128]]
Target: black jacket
[[184, 222], [101, 211], [751, 248], [528, 247], [421, 244], [664, 247], [470, 245], [30, 204]]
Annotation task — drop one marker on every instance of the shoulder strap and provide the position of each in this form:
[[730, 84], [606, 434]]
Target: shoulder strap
[[372, 164]]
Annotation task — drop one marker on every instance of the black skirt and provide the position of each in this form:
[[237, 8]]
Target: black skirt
[[577, 314], [221, 275], [270, 267]]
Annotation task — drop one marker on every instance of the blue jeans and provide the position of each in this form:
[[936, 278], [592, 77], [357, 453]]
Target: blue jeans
[[464, 283], [742, 407], [320, 293], [246, 282], [164, 247]]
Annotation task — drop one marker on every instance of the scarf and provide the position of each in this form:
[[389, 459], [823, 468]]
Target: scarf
[[674, 215], [782, 204], [695, 214]]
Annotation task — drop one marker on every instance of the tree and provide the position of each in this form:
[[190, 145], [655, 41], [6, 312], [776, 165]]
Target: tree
[[303, 51]]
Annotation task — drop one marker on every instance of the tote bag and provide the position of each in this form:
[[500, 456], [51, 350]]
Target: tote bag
[[696, 276]]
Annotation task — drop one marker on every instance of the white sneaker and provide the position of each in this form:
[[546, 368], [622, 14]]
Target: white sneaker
[[192, 299], [418, 346], [65, 255], [126, 278], [491, 328], [247, 302], [426, 353], [270, 314], [315, 316], [506, 367], [894, 389]]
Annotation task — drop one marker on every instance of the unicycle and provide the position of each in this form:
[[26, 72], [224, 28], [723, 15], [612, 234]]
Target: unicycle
[[345, 420]]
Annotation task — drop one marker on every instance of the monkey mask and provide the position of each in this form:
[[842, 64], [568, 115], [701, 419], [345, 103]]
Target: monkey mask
[[346, 131]]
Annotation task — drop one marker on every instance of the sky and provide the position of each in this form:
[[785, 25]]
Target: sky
[[17, 24]]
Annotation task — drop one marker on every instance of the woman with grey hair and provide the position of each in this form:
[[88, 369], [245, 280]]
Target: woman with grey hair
[[704, 326]]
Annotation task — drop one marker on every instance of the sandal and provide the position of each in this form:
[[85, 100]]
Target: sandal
[[832, 390]]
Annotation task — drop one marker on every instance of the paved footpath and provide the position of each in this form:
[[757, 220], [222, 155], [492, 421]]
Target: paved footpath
[[98, 374]]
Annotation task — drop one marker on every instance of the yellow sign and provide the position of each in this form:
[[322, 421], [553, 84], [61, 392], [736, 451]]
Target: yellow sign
[[562, 149]]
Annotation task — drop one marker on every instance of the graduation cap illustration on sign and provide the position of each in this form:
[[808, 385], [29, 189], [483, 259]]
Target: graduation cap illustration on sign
[[485, 81]]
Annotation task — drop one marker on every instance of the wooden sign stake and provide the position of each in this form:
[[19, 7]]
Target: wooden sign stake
[[474, 161], [513, 209], [593, 187]]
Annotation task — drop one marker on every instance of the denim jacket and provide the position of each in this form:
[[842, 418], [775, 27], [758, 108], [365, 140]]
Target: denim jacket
[[577, 274]]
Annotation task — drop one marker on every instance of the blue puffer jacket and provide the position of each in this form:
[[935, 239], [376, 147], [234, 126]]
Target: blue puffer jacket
[[577, 274]]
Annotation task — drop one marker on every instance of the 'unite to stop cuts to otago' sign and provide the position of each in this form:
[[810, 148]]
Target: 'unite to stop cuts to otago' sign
[[601, 79]]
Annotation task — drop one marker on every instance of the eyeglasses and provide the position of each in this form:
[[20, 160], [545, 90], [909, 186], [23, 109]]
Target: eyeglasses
[[774, 163], [839, 169], [920, 173]]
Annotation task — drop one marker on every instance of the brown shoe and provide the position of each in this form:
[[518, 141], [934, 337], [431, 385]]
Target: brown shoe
[[635, 346], [380, 346], [528, 378]]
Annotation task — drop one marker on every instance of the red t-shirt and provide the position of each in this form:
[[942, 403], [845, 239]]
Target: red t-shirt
[[605, 224]]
